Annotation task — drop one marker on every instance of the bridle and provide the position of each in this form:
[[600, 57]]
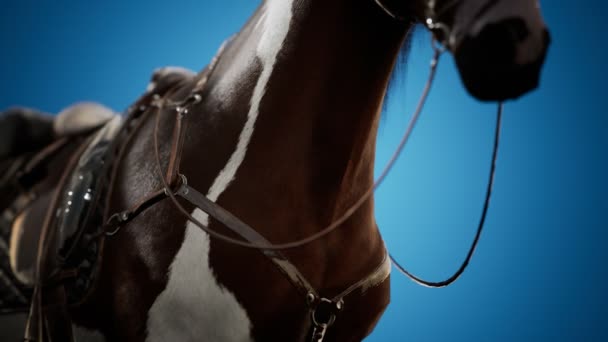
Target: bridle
[[432, 19], [175, 183]]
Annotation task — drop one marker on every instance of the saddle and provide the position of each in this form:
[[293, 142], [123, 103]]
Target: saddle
[[55, 237], [24, 130], [69, 127], [32, 146]]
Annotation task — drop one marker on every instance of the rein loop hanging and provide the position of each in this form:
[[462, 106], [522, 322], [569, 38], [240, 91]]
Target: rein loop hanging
[[332, 226], [482, 220], [175, 184]]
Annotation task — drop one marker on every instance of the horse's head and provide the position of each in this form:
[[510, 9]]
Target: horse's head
[[499, 45]]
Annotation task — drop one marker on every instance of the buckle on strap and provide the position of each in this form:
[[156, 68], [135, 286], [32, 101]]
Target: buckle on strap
[[181, 189], [323, 314]]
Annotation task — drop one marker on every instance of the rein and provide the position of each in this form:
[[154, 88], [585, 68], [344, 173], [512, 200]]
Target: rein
[[232, 222], [480, 226], [433, 23], [175, 184]]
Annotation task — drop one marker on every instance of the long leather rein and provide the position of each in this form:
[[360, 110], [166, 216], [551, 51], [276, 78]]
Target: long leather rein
[[225, 217], [175, 184]]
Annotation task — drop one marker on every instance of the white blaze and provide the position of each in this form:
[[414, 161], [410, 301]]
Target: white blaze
[[194, 306]]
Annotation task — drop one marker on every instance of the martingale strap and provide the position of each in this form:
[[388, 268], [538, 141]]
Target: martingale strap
[[323, 311], [200, 201], [233, 223]]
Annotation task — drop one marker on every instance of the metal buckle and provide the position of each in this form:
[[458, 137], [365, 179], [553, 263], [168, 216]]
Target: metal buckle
[[182, 188], [116, 220], [323, 314]]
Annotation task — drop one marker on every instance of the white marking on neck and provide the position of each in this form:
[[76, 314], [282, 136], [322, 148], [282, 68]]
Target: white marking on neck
[[194, 306], [276, 26]]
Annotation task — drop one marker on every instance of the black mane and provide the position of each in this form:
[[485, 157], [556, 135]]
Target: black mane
[[400, 69]]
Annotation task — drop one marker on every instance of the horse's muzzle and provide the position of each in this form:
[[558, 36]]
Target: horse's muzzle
[[490, 63]]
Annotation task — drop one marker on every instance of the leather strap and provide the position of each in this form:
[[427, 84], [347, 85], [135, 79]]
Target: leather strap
[[323, 311], [237, 226], [171, 176], [52, 301], [176, 146]]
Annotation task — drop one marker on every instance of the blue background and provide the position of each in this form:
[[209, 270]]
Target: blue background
[[539, 273]]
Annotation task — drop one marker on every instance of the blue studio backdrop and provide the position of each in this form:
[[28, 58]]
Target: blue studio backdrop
[[539, 272]]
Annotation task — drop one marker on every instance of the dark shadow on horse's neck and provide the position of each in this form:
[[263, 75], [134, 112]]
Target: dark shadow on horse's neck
[[318, 116]]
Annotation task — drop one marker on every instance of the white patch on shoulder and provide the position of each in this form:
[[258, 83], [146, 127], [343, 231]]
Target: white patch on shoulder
[[194, 306]]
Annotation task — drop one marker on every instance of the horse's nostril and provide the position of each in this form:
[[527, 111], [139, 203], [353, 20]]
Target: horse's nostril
[[517, 28], [499, 40], [496, 43], [490, 62]]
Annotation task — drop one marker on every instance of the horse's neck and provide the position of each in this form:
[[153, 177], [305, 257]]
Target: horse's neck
[[311, 78]]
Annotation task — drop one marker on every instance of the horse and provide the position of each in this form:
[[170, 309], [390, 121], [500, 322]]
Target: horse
[[208, 215]]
